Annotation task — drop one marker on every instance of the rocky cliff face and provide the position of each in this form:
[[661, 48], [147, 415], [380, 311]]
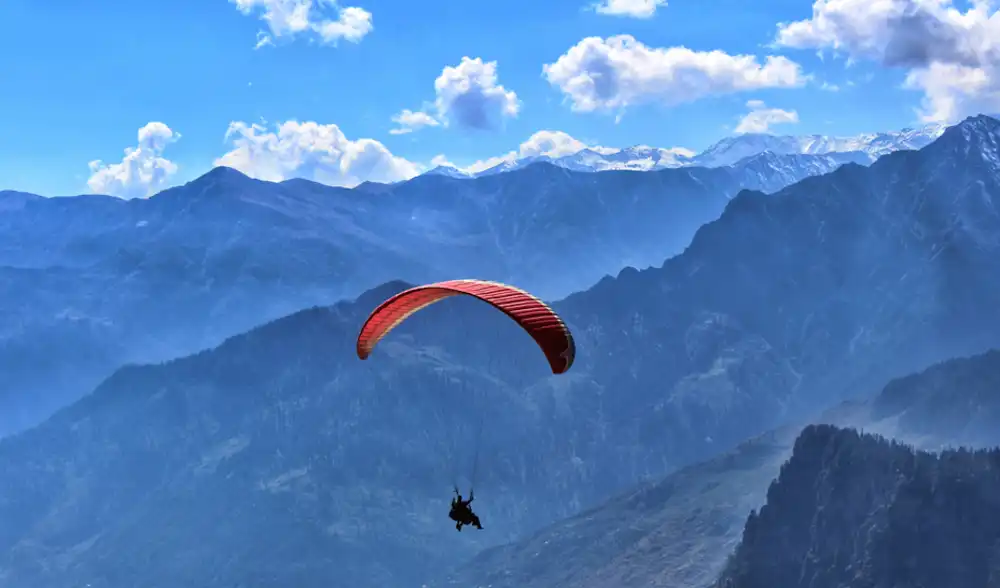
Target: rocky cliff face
[[856, 510]]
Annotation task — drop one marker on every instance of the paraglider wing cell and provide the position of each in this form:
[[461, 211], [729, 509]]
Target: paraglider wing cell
[[533, 315]]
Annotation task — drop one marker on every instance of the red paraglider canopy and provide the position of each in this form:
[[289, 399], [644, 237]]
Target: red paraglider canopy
[[533, 315]]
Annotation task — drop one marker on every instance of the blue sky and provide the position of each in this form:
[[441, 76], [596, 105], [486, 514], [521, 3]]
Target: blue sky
[[81, 78]]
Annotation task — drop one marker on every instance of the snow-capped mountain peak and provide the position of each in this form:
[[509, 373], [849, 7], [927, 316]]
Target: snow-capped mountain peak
[[979, 134], [638, 157], [449, 171], [864, 148], [732, 149]]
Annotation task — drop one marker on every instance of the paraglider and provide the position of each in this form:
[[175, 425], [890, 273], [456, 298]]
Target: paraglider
[[462, 513], [534, 316], [531, 314]]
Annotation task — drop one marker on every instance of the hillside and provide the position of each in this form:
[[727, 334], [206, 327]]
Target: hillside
[[287, 445], [680, 531], [857, 510], [281, 451], [94, 282]]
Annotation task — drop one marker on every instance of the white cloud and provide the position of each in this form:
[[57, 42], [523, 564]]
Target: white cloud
[[617, 72], [352, 25], [410, 121], [470, 95], [313, 151], [143, 171], [320, 19], [485, 164], [632, 8], [681, 151], [760, 118], [953, 57], [440, 160], [263, 40], [953, 91], [542, 143], [550, 144]]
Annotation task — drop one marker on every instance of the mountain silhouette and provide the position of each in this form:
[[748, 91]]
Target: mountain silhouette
[[858, 510], [681, 530], [93, 282], [283, 451]]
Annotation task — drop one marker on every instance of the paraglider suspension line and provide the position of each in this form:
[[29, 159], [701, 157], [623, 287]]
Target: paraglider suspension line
[[475, 458]]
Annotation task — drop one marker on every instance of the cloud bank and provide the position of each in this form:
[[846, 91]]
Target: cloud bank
[[950, 55], [321, 20], [611, 74], [314, 151]]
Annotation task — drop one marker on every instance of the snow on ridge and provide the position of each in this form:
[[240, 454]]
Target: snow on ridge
[[728, 151]]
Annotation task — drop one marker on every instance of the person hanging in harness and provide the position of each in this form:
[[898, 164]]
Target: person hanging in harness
[[462, 513]]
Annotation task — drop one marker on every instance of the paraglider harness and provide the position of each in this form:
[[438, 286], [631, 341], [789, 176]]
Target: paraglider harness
[[462, 513]]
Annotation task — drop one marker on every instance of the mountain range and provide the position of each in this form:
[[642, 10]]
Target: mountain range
[[681, 530], [733, 150], [94, 282], [859, 510], [279, 459]]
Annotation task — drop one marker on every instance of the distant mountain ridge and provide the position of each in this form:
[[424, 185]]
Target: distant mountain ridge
[[298, 462], [864, 148], [872, 145], [93, 281]]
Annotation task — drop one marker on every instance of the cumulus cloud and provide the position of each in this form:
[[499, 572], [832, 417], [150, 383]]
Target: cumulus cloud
[[468, 94], [617, 72], [441, 161], [952, 91], [410, 121], [313, 151], [143, 171], [550, 144], [543, 143], [471, 95], [953, 57], [320, 19], [760, 118], [632, 8]]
